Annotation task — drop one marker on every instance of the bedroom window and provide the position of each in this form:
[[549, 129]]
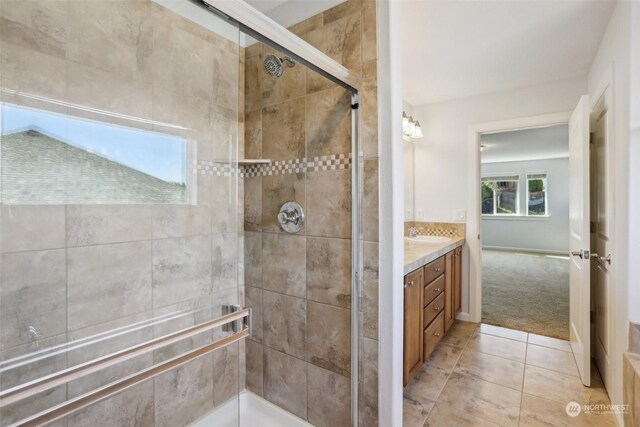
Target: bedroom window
[[499, 195], [537, 194]]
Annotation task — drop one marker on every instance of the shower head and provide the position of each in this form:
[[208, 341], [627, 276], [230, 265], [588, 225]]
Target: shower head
[[273, 64]]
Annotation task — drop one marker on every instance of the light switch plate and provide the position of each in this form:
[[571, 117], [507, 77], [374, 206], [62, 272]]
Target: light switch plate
[[459, 214], [419, 214], [407, 215]]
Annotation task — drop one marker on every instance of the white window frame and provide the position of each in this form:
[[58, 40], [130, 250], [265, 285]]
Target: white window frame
[[513, 177], [535, 175]]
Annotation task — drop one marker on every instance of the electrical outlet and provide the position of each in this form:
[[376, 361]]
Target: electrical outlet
[[459, 214], [419, 214]]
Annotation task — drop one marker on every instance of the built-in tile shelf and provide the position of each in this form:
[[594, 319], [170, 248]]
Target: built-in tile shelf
[[250, 162]]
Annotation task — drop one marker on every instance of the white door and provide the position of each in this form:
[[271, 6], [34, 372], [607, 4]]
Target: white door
[[579, 240], [602, 216]]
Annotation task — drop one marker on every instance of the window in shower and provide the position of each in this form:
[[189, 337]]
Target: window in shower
[[52, 158]]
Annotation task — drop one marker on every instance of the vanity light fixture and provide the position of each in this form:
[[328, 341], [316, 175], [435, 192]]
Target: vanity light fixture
[[411, 128]]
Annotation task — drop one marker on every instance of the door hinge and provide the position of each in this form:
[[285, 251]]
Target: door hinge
[[592, 138], [592, 316], [592, 226]]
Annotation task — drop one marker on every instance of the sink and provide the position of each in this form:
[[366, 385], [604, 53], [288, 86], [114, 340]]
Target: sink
[[429, 239]]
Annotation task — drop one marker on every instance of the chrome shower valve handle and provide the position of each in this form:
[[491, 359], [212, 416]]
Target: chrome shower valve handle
[[291, 217]]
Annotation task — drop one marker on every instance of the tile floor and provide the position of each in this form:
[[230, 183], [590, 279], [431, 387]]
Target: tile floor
[[483, 375]]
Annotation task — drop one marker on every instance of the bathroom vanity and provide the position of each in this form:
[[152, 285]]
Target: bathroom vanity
[[432, 296]]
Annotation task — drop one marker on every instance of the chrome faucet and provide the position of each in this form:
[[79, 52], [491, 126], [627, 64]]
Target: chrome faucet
[[412, 232]]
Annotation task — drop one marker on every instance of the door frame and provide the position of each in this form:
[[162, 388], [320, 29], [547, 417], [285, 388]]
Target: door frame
[[473, 235]]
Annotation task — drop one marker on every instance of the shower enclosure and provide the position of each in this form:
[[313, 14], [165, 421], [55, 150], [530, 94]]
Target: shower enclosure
[[180, 218]]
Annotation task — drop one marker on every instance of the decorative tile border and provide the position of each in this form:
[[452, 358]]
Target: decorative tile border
[[445, 229], [279, 167]]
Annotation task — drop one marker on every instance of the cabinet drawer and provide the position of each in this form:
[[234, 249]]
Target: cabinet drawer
[[433, 309], [433, 289], [432, 335], [433, 269]]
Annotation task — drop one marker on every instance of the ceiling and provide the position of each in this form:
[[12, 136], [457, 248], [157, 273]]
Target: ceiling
[[456, 49], [289, 12], [549, 142]]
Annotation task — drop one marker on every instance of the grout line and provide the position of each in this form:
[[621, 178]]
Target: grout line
[[524, 372]]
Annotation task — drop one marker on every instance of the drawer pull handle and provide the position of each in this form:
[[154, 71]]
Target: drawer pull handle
[[406, 285], [436, 308], [437, 269], [437, 334], [437, 289]]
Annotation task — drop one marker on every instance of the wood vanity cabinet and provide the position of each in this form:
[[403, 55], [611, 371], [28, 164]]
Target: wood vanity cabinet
[[432, 298], [413, 304]]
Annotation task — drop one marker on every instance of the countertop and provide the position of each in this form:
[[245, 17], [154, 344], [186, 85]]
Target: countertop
[[417, 254]]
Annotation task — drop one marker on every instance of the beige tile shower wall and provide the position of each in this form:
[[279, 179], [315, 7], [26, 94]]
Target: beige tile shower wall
[[72, 271], [299, 285]]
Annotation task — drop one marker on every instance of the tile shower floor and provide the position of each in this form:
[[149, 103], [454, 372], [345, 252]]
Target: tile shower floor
[[483, 375]]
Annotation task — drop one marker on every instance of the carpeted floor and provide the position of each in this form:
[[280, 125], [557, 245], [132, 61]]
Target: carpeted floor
[[528, 292]]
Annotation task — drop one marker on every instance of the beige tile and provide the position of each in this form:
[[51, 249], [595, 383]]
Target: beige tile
[[285, 382], [283, 130], [490, 368], [549, 358], [33, 292], [254, 366], [459, 333], [480, 399], [564, 388], [442, 416], [102, 89], [28, 228], [134, 406], [369, 122], [253, 134], [414, 414], [254, 49], [22, 70], [329, 337], [225, 127], [284, 264], [444, 357], [503, 332], [369, 43], [346, 8], [114, 36], [253, 80], [307, 25], [193, 383], [549, 342], [277, 190], [328, 123], [253, 300], [497, 346], [329, 203], [328, 398], [225, 374], [253, 203], [107, 282], [427, 384], [369, 383], [181, 269], [100, 224], [329, 271], [38, 25], [285, 323], [538, 412], [253, 259], [180, 220], [224, 218], [370, 301], [224, 261], [370, 201]]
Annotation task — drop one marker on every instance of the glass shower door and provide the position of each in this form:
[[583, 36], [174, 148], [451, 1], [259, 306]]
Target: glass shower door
[[119, 214]]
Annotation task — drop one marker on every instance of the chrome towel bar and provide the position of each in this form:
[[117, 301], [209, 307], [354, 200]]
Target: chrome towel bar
[[64, 376]]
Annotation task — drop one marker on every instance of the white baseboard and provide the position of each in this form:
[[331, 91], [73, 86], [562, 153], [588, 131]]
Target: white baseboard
[[535, 251], [463, 316]]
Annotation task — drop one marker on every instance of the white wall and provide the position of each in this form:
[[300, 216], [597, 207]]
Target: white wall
[[615, 49], [408, 157], [441, 181], [542, 234]]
